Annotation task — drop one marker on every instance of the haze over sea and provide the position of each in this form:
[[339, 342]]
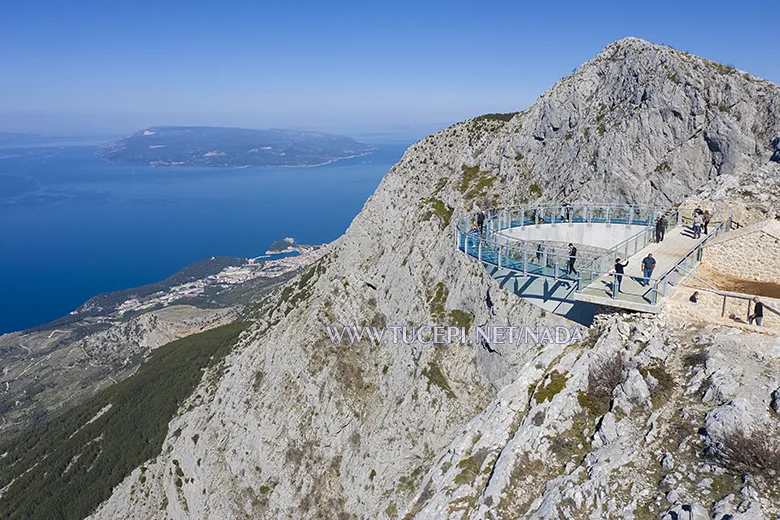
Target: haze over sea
[[73, 226]]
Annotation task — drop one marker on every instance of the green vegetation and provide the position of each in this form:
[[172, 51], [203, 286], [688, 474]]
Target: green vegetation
[[664, 382], [392, 510], [535, 190], [461, 318], [496, 117], [556, 382], [469, 467], [439, 208], [475, 182], [568, 136], [66, 467], [663, 167], [437, 378]]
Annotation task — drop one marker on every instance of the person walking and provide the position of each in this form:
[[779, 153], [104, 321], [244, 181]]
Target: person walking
[[758, 312], [706, 219], [648, 265], [572, 259], [698, 222], [481, 222], [619, 270], [658, 230]]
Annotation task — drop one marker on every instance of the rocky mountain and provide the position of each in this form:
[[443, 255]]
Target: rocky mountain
[[230, 147], [646, 417]]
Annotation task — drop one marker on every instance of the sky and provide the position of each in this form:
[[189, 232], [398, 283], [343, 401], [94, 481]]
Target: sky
[[88, 68]]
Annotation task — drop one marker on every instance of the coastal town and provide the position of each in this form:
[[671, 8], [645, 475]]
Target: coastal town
[[297, 257]]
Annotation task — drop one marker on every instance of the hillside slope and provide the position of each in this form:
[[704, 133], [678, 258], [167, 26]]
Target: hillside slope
[[297, 427]]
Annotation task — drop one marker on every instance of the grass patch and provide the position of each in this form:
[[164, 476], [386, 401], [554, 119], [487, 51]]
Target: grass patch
[[661, 384], [535, 190], [664, 167], [475, 182], [555, 384], [469, 467], [436, 377], [461, 318], [439, 208], [65, 468]]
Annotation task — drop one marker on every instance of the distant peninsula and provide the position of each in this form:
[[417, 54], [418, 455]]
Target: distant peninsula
[[230, 147]]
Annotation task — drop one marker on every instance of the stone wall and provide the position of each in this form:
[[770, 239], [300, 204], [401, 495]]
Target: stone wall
[[750, 256]]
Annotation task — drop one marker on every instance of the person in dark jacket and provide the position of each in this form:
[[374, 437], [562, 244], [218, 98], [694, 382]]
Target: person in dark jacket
[[572, 259], [619, 270], [481, 222], [758, 312], [660, 228]]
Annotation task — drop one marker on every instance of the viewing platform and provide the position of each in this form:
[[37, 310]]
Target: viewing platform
[[530, 245]]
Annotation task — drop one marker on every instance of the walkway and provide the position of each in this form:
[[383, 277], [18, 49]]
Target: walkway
[[527, 247], [633, 296]]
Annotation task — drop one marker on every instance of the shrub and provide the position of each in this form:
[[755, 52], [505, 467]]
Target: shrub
[[756, 453], [603, 378]]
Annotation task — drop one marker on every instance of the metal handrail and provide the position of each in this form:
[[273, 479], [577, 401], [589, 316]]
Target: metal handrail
[[726, 294], [550, 259]]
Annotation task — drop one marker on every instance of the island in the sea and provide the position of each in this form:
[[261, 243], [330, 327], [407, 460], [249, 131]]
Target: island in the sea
[[231, 147]]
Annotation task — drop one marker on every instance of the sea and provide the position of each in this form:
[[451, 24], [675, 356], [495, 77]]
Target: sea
[[73, 226]]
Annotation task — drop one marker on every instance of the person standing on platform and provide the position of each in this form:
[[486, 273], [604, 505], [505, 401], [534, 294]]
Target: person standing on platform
[[572, 259], [648, 265], [619, 270]]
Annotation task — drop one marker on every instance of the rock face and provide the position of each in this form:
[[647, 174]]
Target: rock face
[[615, 426]]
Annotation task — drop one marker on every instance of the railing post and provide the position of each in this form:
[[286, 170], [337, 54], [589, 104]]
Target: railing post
[[556, 268], [466, 245], [723, 311], [525, 260], [522, 217], [479, 250], [630, 215], [499, 258], [457, 237], [608, 215]]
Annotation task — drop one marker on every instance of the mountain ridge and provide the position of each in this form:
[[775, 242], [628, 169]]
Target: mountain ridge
[[231, 147]]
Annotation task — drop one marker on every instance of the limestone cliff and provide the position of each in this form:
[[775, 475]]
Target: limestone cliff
[[615, 426]]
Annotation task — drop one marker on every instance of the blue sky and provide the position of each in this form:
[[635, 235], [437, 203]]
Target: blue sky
[[113, 67]]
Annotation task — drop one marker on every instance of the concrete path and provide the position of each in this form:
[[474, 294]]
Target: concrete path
[[678, 241]]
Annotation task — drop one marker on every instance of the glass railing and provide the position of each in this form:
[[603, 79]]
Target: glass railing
[[547, 257]]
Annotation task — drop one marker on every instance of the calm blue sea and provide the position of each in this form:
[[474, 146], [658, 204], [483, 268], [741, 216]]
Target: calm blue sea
[[73, 226]]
